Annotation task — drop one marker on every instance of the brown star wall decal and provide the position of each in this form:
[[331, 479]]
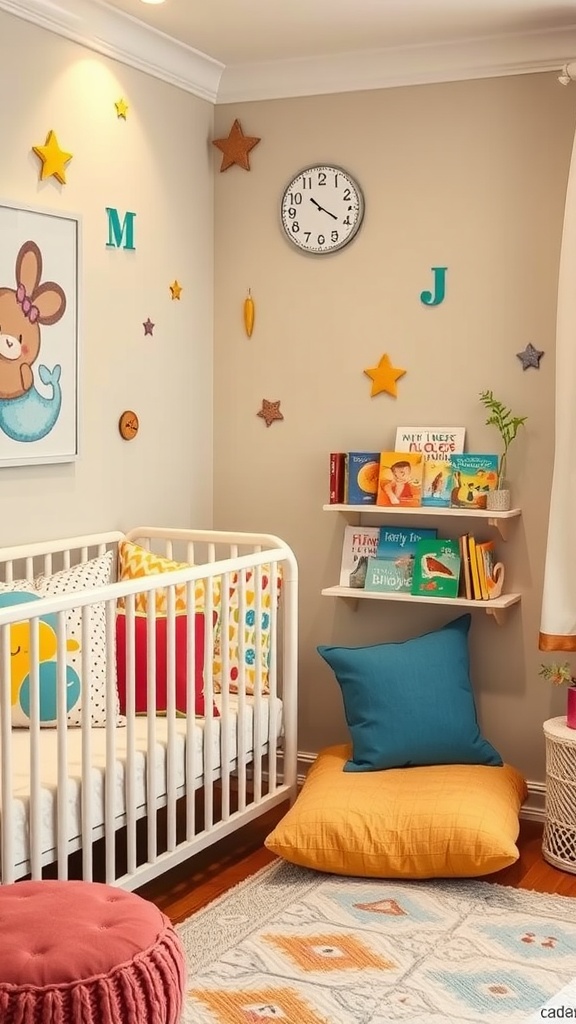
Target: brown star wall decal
[[270, 411], [236, 147]]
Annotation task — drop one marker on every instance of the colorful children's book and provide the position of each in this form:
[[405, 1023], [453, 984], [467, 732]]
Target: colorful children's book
[[337, 477], [436, 568], [437, 446], [493, 570], [392, 569], [473, 475], [363, 470], [474, 573], [360, 542], [400, 479], [465, 574]]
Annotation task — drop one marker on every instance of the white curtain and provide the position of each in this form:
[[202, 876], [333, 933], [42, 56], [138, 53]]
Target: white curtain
[[558, 621]]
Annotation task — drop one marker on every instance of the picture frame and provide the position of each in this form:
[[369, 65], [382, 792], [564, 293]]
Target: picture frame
[[39, 335]]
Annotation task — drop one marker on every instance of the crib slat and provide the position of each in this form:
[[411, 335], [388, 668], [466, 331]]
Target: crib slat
[[151, 791], [171, 718], [87, 793], [130, 639], [34, 729], [110, 777], [191, 758], [6, 766], [62, 742], [241, 742], [225, 752]]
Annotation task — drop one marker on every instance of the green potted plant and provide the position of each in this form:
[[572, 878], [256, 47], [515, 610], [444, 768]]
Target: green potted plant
[[559, 673], [507, 425]]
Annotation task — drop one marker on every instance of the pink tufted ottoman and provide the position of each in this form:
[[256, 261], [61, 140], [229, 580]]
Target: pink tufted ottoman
[[85, 953]]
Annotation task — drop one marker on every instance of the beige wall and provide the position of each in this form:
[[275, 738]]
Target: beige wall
[[158, 163], [467, 175]]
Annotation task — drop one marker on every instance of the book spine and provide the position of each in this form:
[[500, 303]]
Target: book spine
[[337, 474], [476, 589], [481, 571]]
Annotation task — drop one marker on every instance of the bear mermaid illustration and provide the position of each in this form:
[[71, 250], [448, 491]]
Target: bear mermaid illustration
[[25, 413]]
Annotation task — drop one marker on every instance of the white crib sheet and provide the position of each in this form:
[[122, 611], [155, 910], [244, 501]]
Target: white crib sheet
[[49, 769]]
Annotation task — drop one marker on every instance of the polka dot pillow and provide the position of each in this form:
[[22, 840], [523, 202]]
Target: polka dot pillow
[[251, 651], [86, 576]]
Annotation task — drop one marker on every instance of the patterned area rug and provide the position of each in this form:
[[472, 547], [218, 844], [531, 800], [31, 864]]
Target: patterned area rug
[[300, 947]]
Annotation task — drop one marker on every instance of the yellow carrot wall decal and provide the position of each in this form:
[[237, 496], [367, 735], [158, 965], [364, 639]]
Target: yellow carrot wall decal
[[249, 314]]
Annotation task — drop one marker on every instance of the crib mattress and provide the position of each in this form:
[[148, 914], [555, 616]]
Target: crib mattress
[[207, 757]]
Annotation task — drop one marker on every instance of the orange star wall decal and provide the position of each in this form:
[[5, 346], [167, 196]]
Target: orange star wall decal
[[53, 159], [270, 411], [236, 147], [384, 377], [175, 290]]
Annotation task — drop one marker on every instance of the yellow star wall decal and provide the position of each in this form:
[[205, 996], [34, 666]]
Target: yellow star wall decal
[[384, 377], [122, 108], [236, 147], [53, 159], [175, 290]]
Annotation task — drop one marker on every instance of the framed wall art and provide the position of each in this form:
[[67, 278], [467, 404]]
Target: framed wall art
[[39, 282]]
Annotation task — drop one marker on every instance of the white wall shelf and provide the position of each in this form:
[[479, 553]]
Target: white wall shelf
[[497, 607], [499, 520]]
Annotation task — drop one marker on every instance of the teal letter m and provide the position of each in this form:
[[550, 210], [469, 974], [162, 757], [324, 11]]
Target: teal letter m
[[120, 235]]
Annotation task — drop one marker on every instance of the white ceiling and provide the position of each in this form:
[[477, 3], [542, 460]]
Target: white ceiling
[[230, 51], [245, 31]]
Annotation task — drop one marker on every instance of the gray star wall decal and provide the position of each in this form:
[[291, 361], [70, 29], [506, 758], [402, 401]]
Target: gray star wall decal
[[530, 357]]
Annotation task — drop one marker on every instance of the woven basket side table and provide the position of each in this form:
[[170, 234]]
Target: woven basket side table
[[559, 840]]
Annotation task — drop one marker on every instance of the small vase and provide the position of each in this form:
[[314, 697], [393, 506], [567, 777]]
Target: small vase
[[571, 707], [498, 501]]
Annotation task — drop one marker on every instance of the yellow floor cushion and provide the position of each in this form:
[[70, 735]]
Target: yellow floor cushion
[[432, 822]]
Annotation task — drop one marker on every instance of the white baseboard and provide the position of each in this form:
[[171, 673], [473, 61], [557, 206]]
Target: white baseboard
[[532, 810]]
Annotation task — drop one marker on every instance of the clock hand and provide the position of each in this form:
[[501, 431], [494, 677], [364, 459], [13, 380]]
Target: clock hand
[[322, 209]]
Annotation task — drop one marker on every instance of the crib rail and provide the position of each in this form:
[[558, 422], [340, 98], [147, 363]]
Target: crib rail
[[125, 798]]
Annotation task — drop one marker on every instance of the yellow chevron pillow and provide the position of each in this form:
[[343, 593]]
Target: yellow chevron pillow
[[136, 561], [438, 821]]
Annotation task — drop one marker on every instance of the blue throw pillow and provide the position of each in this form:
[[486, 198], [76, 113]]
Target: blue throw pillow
[[411, 703]]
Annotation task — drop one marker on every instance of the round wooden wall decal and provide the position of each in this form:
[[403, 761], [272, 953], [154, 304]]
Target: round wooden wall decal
[[128, 425]]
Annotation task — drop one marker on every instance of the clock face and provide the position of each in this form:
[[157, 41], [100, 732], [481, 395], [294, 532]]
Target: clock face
[[322, 209]]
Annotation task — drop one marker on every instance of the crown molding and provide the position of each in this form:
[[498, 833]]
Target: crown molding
[[100, 27], [489, 57], [112, 33]]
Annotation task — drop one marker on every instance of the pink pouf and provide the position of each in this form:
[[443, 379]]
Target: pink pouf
[[85, 953]]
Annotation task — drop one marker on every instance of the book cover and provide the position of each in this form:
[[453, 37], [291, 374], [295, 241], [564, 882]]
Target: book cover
[[476, 588], [436, 568], [363, 469], [481, 572], [391, 570], [493, 570], [473, 475], [465, 575], [437, 445], [400, 479], [360, 542], [337, 477]]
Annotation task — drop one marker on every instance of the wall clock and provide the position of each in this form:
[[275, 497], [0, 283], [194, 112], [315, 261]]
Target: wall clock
[[322, 209]]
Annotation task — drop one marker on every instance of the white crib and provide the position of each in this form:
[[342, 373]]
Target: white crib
[[140, 794]]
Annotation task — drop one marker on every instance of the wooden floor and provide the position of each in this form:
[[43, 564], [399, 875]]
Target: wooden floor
[[197, 882]]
